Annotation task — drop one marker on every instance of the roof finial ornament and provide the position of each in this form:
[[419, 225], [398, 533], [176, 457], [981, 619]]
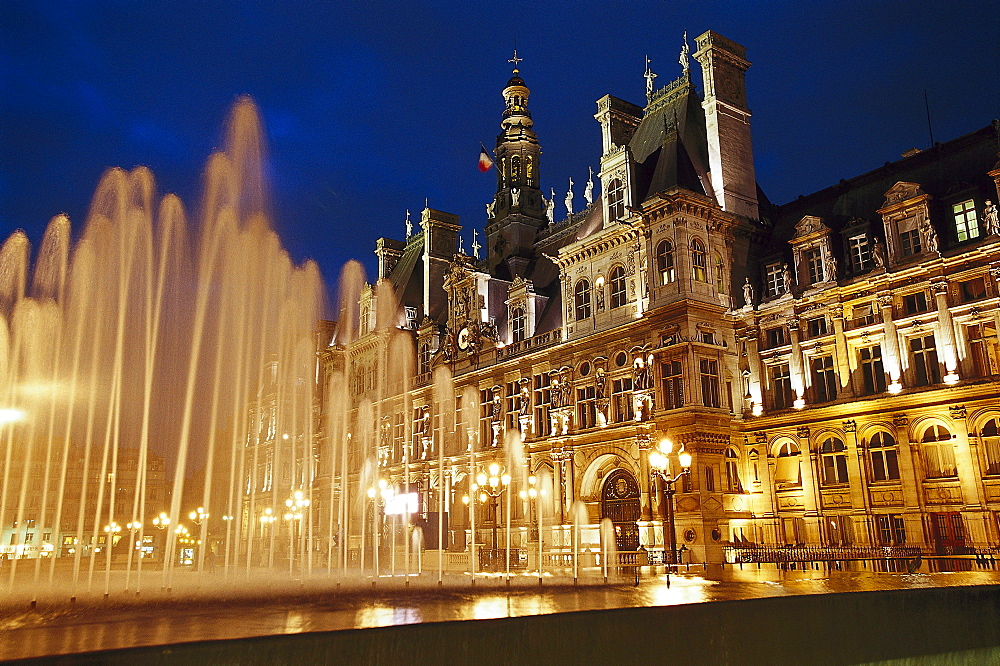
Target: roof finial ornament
[[461, 249], [685, 60], [588, 191], [475, 244], [649, 76], [515, 60], [409, 224]]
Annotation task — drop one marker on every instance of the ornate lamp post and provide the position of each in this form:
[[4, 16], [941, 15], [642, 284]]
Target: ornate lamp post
[[659, 464], [532, 494], [491, 487], [379, 497], [295, 504]]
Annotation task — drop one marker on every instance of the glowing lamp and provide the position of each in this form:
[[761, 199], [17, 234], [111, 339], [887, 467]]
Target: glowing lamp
[[799, 403], [665, 446], [657, 460], [10, 415], [481, 479], [685, 459]]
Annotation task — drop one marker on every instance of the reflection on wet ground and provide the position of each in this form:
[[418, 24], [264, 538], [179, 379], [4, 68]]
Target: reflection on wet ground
[[94, 625]]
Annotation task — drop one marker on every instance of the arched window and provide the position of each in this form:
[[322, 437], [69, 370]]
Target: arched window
[[517, 324], [699, 261], [883, 456], [990, 434], [720, 274], [530, 167], [786, 470], [665, 261], [616, 200], [515, 169], [939, 452], [733, 484], [617, 285], [582, 298], [833, 458]]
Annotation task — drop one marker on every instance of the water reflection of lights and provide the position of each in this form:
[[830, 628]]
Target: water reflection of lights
[[10, 415], [488, 608], [681, 590], [386, 616]]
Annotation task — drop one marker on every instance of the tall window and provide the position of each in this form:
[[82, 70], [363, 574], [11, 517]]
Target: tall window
[[733, 484], [776, 337], [984, 348], [833, 459], [720, 274], [860, 253], [517, 324], [990, 434], [864, 315], [425, 358], [543, 401], [709, 382], [513, 399], [872, 372], [582, 297], [891, 530], [915, 303], [673, 384], [972, 290], [774, 280], [814, 265], [665, 262], [699, 261], [824, 379], [966, 223], [909, 237], [617, 285], [883, 456], [816, 327], [485, 420], [621, 400], [781, 386], [787, 471], [586, 407], [939, 452], [925, 362], [616, 200]]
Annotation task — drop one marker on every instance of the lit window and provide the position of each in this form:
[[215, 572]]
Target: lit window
[[972, 290], [617, 286], [814, 265], [833, 458], [720, 274], [939, 452], [621, 400], [733, 484], [990, 435], [787, 471], [699, 261], [966, 223], [665, 262], [860, 253], [582, 297], [517, 324], [774, 280], [616, 200], [543, 402], [425, 358], [883, 456]]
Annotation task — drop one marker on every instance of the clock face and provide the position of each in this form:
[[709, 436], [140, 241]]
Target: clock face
[[463, 339]]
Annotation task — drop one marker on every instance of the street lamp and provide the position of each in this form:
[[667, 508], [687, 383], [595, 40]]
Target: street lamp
[[532, 493], [379, 497], [295, 504], [491, 484], [198, 516], [660, 467]]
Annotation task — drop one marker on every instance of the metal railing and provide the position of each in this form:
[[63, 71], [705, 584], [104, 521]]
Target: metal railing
[[781, 554]]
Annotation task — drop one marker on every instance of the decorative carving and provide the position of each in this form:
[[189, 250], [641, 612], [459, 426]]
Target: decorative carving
[[957, 412], [802, 432], [939, 287], [837, 311], [760, 437], [808, 225], [902, 191], [991, 219], [850, 425], [747, 294], [900, 420], [930, 237]]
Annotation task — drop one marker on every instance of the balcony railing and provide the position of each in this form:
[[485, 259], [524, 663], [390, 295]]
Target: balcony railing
[[779, 554], [536, 342]]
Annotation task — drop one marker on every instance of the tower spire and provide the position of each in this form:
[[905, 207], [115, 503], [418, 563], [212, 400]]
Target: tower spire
[[515, 60]]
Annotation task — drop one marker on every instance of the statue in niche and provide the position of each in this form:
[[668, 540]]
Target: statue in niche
[[748, 293], [601, 384], [786, 276], [831, 263], [991, 218], [878, 253], [569, 199], [550, 206], [524, 399], [515, 196], [588, 190], [930, 237]]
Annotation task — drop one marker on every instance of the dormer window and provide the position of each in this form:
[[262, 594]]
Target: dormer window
[[909, 237], [814, 265], [517, 324], [774, 280], [860, 253], [616, 200], [966, 222]]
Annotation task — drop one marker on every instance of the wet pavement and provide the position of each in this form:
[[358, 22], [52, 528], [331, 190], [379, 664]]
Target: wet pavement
[[235, 611]]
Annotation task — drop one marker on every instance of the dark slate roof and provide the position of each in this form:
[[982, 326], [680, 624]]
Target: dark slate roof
[[407, 277], [670, 146], [956, 168]]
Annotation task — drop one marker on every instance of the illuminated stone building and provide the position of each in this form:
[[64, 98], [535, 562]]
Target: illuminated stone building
[[830, 364]]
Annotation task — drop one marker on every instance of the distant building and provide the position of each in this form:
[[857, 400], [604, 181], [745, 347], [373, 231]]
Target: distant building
[[830, 364]]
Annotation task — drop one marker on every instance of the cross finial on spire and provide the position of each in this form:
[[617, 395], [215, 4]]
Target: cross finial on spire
[[515, 60]]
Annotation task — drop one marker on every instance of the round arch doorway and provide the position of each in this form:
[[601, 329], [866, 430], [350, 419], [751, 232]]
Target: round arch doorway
[[620, 502]]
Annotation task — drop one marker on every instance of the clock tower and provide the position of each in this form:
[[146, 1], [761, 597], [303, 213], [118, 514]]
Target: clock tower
[[517, 211]]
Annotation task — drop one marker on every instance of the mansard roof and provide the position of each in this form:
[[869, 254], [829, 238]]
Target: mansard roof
[[670, 145], [948, 169]]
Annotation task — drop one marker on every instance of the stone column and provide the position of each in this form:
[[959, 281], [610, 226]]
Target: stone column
[[910, 480], [644, 440], [891, 359], [946, 332], [795, 364], [857, 471], [753, 360], [810, 486], [843, 367]]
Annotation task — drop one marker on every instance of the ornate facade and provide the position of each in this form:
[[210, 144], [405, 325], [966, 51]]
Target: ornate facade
[[830, 364]]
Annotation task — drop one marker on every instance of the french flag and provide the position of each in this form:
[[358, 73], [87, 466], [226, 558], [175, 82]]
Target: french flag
[[485, 161]]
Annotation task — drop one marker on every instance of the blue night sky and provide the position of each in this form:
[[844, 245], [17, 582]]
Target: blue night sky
[[372, 106]]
